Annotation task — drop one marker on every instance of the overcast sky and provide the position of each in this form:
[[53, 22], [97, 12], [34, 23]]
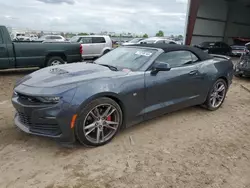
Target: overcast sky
[[136, 16]]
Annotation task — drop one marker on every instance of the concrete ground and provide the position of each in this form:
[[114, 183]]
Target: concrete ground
[[190, 148]]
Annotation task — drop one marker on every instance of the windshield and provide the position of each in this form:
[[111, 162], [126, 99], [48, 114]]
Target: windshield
[[126, 58], [74, 39], [134, 41]]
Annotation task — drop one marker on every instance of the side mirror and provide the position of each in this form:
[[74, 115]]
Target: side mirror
[[160, 66]]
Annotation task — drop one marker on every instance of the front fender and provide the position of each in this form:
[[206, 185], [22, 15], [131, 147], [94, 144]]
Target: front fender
[[87, 92]]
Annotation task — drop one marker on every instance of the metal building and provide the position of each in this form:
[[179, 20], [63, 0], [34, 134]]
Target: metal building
[[217, 20]]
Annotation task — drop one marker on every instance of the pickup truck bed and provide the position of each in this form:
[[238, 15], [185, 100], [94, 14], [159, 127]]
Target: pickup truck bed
[[22, 55]]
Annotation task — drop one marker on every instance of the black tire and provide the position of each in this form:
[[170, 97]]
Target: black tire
[[208, 104], [105, 52], [82, 118], [239, 75], [53, 59]]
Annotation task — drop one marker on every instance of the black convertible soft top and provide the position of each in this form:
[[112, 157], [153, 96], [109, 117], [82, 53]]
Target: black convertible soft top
[[175, 47]]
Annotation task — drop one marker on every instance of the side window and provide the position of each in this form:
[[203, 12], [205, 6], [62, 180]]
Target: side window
[[86, 40], [160, 42], [56, 37], [1, 38], [48, 37], [224, 45], [98, 40], [176, 58], [217, 44]]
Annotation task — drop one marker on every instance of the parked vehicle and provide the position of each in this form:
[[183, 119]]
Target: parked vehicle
[[33, 37], [237, 50], [17, 35], [133, 41], [51, 38], [156, 40], [93, 45], [34, 54], [215, 48], [242, 68], [91, 102]]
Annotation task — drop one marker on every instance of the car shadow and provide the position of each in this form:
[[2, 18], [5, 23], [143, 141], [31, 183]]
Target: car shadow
[[164, 118]]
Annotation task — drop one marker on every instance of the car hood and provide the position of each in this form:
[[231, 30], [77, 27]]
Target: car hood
[[68, 74]]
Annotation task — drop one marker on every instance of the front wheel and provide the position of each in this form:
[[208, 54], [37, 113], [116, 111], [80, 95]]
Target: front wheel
[[216, 95], [99, 122]]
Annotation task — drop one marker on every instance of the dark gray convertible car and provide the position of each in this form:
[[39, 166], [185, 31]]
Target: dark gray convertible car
[[90, 102]]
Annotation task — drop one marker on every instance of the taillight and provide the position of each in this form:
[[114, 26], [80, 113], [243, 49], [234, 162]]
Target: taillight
[[81, 51]]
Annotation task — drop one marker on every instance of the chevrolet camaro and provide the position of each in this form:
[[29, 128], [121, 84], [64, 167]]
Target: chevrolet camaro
[[91, 102]]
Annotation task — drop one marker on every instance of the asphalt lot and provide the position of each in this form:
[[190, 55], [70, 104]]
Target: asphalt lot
[[190, 148]]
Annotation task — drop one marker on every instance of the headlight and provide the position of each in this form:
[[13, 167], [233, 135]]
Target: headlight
[[52, 100]]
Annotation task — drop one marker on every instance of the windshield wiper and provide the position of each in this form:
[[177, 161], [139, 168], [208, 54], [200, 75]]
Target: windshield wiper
[[113, 68]]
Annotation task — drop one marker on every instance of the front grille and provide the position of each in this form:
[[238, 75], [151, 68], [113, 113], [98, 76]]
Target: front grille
[[48, 129], [45, 129], [24, 119]]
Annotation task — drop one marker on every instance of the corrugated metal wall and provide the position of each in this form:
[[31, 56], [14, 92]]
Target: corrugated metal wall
[[218, 20]]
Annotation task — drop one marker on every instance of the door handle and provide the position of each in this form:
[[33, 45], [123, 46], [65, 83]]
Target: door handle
[[194, 72]]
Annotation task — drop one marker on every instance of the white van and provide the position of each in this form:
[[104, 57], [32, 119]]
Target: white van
[[93, 45]]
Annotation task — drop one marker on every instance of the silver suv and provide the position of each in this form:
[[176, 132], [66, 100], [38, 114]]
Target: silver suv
[[93, 45]]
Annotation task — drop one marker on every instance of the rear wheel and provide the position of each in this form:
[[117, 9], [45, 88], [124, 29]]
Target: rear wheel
[[56, 60], [99, 122], [105, 52], [238, 74], [216, 95]]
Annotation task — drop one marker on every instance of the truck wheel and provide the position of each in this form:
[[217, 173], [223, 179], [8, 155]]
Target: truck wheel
[[52, 61]]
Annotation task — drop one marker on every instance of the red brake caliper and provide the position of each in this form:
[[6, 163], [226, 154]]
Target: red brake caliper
[[109, 118]]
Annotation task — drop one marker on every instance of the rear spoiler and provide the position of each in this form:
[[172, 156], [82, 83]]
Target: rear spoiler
[[220, 56]]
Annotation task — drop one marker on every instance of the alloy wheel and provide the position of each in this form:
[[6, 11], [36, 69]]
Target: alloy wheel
[[218, 94], [55, 62], [101, 123]]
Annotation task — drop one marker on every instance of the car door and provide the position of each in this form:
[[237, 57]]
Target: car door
[[226, 48], [4, 55], [98, 45], [175, 89], [87, 46]]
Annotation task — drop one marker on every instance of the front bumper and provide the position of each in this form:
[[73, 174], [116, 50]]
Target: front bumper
[[49, 120]]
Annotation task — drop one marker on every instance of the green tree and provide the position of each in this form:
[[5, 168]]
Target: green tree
[[180, 37], [160, 34], [145, 35], [83, 34]]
